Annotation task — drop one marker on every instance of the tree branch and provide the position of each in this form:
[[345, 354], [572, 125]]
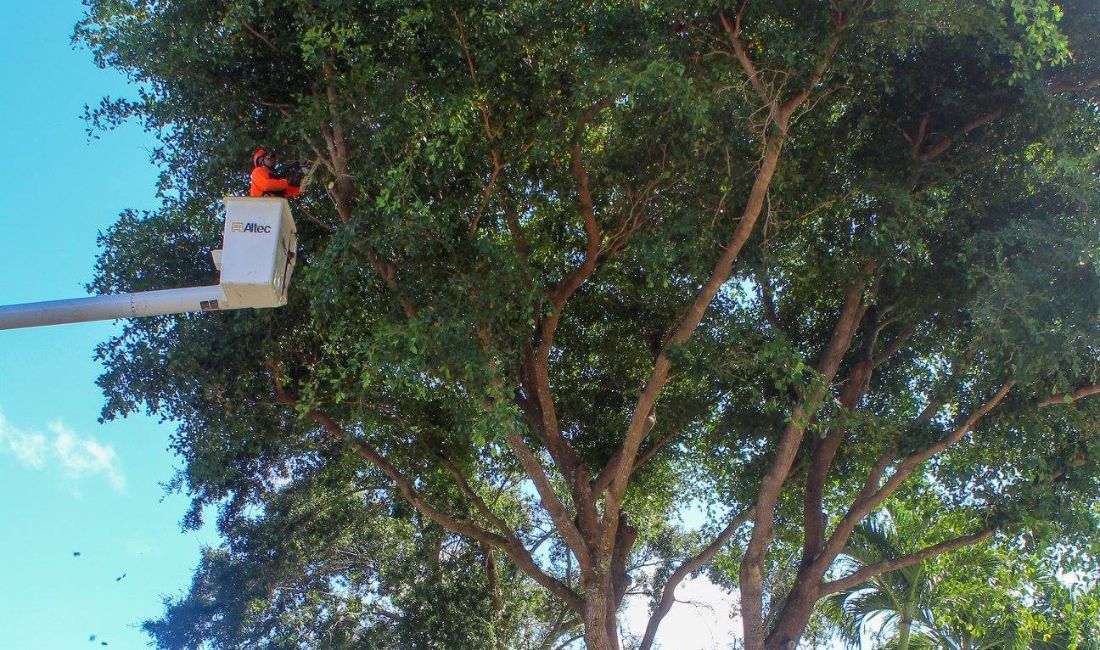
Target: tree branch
[[894, 347], [252, 30], [622, 463], [475, 498], [751, 572], [793, 103], [733, 31], [825, 450], [537, 365], [333, 133], [872, 495], [603, 479], [935, 151], [919, 457], [885, 566], [388, 272], [771, 313], [691, 564], [486, 124], [498, 166], [550, 501], [495, 596], [647, 455], [1074, 86], [516, 552], [773, 144], [1066, 398]]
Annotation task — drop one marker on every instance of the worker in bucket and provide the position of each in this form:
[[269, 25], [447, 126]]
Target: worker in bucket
[[266, 181]]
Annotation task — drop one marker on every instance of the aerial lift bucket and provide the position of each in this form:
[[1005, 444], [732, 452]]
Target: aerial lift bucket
[[256, 262]]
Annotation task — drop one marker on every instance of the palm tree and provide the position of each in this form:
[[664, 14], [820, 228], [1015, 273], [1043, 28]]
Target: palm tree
[[891, 604]]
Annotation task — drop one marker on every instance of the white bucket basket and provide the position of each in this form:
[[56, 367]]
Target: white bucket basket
[[258, 255]]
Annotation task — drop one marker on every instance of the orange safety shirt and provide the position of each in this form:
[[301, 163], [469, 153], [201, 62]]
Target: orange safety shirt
[[264, 184]]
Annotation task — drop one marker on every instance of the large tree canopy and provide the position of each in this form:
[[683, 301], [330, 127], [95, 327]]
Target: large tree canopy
[[570, 270]]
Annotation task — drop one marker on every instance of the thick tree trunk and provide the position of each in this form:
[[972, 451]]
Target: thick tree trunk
[[795, 616], [600, 630], [604, 592]]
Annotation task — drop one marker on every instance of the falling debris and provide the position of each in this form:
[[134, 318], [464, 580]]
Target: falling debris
[[91, 637], [76, 553], [120, 577]]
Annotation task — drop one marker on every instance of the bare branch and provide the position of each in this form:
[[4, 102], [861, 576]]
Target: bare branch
[[825, 449], [498, 166], [935, 151], [733, 31], [1074, 86], [320, 155], [771, 313], [333, 133], [486, 124], [518, 238], [921, 456], [475, 498], [780, 112], [388, 272], [565, 644], [604, 478], [252, 30], [622, 463], [516, 553], [550, 501], [645, 456], [922, 130], [691, 564], [590, 115], [751, 573], [1066, 398], [792, 104], [885, 566], [282, 106], [894, 347], [537, 365]]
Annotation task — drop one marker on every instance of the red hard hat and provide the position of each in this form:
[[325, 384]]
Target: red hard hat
[[260, 153]]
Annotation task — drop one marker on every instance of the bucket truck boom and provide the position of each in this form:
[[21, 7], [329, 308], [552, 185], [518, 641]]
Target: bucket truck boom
[[256, 261]]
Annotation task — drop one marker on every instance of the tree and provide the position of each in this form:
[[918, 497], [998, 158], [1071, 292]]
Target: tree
[[569, 268], [889, 604]]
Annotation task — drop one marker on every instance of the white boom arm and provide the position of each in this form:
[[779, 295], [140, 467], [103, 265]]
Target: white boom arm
[[256, 262]]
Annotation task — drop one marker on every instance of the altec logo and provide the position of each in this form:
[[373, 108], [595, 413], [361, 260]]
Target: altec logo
[[240, 226]]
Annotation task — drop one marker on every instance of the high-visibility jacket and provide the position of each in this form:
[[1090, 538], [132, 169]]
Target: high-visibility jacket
[[264, 184]]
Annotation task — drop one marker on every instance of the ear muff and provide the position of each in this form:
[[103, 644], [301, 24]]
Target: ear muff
[[260, 153]]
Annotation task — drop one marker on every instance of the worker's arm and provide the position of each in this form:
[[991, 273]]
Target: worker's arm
[[262, 182]]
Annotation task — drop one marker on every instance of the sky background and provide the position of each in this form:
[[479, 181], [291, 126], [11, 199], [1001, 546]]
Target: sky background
[[69, 484]]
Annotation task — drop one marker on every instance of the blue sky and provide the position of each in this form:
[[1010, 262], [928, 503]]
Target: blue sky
[[67, 483]]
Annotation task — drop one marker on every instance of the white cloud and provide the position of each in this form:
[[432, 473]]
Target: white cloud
[[703, 618], [77, 457], [27, 446]]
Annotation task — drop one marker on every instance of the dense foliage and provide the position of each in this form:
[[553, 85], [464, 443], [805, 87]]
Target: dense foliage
[[570, 270]]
